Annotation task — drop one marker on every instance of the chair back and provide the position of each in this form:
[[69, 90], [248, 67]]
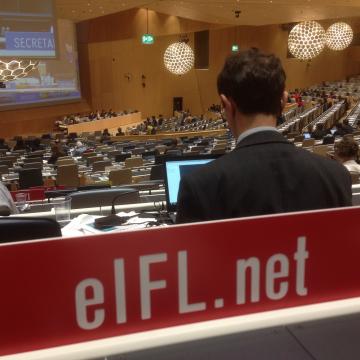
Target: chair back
[[67, 175], [89, 154], [120, 177], [299, 138], [122, 157], [30, 178], [134, 162], [33, 165], [113, 153], [308, 142], [355, 177], [356, 199], [105, 197], [138, 150], [65, 158], [174, 152], [7, 163], [161, 148], [18, 152], [61, 162], [140, 178], [93, 159], [4, 170], [101, 165], [33, 160], [218, 151], [37, 153], [157, 172], [321, 150], [18, 229], [13, 159]]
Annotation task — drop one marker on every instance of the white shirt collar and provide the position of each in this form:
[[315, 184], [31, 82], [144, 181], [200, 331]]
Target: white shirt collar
[[254, 131]]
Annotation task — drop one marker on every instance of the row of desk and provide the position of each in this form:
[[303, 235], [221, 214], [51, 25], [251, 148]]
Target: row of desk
[[112, 123]]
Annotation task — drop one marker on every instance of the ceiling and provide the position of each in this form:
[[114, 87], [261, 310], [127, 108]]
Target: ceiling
[[253, 12]]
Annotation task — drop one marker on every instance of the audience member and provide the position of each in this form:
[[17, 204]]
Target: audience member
[[347, 128], [3, 146], [20, 145], [120, 132], [265, 174], [106, 136], [79, 149], [7, 205], [346, 151], [328, 139], [339, 130], [36, 145], [319, 132], [55, 154]]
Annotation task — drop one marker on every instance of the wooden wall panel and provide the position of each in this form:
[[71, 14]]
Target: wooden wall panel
[[198, 87], [110, 49]]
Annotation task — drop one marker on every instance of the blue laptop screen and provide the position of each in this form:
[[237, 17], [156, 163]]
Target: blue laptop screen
[[175, 169]]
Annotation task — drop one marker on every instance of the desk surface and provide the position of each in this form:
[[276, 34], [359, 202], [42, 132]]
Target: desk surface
[[105, 210]]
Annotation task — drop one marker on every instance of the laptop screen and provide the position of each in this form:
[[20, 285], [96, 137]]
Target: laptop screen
[[175, 168]]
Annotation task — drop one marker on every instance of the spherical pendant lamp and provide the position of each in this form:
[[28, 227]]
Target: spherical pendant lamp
[[306, 40], [179, 58], [339, 36]]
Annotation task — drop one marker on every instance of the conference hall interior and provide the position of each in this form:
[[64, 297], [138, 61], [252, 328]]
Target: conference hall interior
[[107, 105]]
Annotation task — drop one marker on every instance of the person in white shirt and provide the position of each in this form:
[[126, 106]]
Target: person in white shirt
[[346, 151], [7, 205]]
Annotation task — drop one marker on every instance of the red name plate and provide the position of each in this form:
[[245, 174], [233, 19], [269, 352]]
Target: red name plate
[[73, 290]]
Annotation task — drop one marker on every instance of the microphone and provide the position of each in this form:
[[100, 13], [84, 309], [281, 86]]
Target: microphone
[[112, 219]]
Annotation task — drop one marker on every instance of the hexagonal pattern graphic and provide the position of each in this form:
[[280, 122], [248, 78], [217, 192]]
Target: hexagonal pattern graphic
[[179, 58], [339, 36], [15, 69], [306, 40]]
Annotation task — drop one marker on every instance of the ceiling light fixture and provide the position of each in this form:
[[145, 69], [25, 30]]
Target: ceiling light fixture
[[339, 36], [16, 69], [306, 40], [179, 58]]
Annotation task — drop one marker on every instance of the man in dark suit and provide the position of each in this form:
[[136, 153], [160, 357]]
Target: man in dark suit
[[265, 174]]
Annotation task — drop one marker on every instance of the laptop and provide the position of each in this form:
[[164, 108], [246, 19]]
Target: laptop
[[174, 169]]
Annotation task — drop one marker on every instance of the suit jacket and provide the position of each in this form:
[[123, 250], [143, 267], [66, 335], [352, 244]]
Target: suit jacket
[[264, 174]]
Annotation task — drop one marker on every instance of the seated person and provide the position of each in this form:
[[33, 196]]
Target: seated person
[[347, 127], [7, 205], [172, 148], [3, 146], [36, 145], [307, 131], [105, 136], [251, 87], [55, 154], [120, 132], [346, 152], [339, 130], [319, 132], [79, 148], [20, 145]]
